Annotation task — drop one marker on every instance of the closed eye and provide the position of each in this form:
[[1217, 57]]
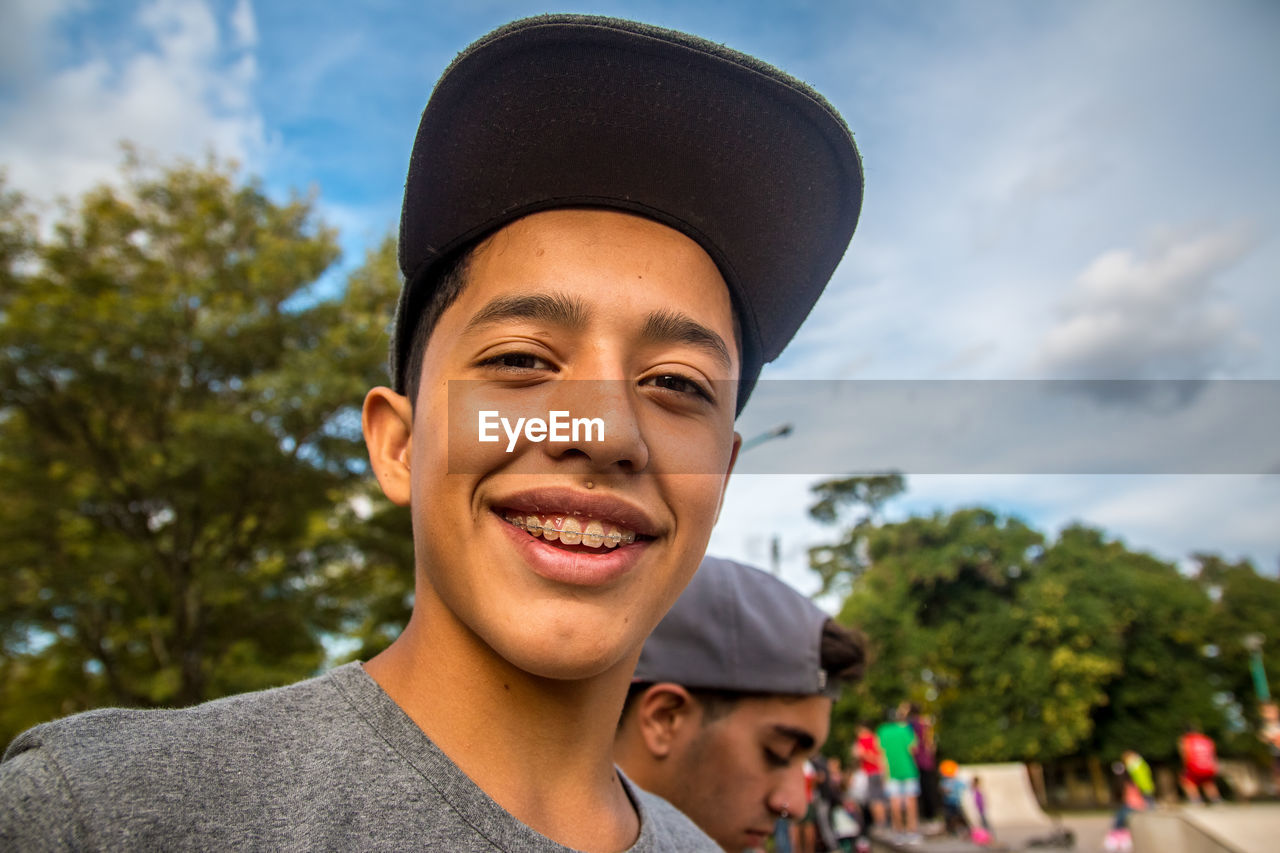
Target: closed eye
[[516, 362]]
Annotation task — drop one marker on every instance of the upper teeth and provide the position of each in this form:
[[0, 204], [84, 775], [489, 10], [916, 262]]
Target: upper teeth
[[571, 530]]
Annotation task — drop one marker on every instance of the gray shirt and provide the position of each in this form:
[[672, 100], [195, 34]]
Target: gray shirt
[[329, 763]]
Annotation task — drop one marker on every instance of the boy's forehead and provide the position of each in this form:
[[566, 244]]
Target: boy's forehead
[[555, 250], [567, 236], [803, 719], [577, 226]]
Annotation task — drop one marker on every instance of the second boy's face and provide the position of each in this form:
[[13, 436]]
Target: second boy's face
[[562, 556], [737, 773]]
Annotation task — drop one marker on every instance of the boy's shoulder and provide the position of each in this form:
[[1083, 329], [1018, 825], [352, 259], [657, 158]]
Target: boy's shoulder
[[152, 734], [330, 762], [118, 776], [129, 749]]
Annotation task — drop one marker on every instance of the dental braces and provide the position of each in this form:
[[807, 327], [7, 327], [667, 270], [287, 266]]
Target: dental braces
[[611, 539]]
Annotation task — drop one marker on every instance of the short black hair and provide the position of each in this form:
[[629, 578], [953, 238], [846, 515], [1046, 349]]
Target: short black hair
[[449, 280]]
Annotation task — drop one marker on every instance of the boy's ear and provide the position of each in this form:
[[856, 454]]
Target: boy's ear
[[667, 716], [387, 419]]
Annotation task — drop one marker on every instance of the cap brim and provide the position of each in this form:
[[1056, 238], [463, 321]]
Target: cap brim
[[576, 111]]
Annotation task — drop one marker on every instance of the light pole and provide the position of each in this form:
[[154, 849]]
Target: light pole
[[775, 544], [1253, 642], [781, 431]]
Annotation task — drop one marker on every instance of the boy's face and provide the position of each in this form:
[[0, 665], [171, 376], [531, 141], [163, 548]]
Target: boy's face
[[640, 311], [734, 774]]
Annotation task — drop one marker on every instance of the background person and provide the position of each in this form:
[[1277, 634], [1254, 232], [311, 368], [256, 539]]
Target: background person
[[926, 756], [866, 752], [980, 834], [1199, 765], [1269, 734], [902, 781], [731, 698], [825, 795], [846, 822], [1119, 839], [952, 789], [1139, 772]]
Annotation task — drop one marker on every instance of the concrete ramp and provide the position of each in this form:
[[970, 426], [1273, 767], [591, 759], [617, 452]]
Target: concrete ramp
[[1207, 829], [1011, 801]]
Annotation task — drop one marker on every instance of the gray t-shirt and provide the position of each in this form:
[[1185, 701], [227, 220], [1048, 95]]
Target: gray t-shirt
[[329, 763]]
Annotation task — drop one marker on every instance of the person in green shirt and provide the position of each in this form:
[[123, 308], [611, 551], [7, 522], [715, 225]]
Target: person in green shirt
[[1140, 772], [902, 778]]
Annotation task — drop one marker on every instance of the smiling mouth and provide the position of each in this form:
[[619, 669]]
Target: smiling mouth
[[573, 530]]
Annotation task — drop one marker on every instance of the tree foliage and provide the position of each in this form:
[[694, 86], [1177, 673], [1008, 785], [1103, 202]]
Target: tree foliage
[[1243, 603], [179, 442], [1027, 649], [840, 564]]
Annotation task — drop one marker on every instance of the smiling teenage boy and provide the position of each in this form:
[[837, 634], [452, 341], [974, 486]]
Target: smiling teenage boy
[[601, 218]]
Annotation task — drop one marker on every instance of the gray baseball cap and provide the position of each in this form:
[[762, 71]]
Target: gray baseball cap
[[738, 628]]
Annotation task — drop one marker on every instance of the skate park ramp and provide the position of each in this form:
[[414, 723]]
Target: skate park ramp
[[1225, 828], [1011, 802]]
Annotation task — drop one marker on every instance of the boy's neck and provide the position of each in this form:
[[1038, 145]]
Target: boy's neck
[[541, 748]]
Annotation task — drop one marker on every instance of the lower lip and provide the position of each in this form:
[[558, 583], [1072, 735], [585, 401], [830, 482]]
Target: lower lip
[[755, 839], [577, 568]]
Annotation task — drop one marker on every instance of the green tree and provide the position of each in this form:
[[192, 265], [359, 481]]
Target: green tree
[[940, 603], [1026, 650], [1243, 603], [841, 563], [1155, 622], [179, 442]]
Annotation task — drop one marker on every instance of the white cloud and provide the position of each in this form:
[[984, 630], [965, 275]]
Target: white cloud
[[177, 89], [25, 34], [1155, 313], [1006, 149], [243, 24]]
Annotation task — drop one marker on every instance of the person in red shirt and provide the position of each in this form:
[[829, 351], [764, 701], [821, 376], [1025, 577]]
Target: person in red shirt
[[866, 751], [1199, 766]]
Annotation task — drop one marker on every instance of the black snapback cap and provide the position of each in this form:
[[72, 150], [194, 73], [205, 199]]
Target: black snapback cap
[[584, 111]]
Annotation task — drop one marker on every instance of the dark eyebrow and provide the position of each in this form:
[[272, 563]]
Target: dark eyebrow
[[554, 309], [673, 327], [803, 739]]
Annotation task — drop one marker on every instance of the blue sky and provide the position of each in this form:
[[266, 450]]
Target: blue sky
[[1054, 190]]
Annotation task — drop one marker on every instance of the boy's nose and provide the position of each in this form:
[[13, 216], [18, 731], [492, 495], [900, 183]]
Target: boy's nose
[[613, 402]]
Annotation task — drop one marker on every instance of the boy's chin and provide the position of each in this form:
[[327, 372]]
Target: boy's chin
[[570, 655]]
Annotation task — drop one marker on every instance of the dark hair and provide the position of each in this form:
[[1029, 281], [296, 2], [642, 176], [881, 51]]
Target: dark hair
[[842, 652], [446, 283]]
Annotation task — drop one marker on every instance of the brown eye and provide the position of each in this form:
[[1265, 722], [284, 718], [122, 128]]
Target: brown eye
[[679, 384], [516, 362]]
